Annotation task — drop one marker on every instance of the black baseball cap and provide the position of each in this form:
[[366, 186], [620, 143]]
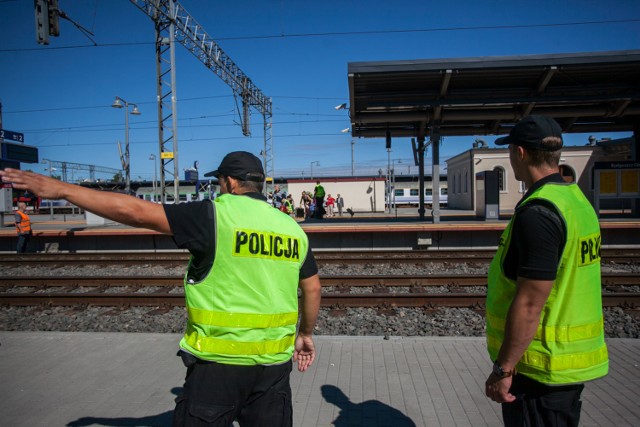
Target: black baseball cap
[[241, 165], [530, 131]]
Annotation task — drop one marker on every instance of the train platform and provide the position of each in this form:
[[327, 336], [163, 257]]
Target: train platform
[[131, 379], [364, 231]]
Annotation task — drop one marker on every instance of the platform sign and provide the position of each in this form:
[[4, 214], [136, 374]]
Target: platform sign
[[166, 155], [19, 152], [13, 136], [6, 199], [9, 164]]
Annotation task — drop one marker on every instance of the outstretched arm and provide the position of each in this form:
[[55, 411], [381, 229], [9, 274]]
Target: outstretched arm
[[122, 208], [305, 351]]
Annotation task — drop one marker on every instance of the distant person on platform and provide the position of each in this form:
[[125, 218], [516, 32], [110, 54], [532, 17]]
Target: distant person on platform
[[331, 201], [277, 197], [545, 330], [248, 262], [318, 195], [23, 227], [339, 204], [305, 203]]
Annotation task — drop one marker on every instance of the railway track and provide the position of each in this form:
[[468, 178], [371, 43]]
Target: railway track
[[608, 279], [338, 290], [179, 258]]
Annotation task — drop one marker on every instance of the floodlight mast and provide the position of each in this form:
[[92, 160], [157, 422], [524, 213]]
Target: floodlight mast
[[174, 23]]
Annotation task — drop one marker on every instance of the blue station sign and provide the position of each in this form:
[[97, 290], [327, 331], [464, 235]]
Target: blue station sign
[[12, 136]]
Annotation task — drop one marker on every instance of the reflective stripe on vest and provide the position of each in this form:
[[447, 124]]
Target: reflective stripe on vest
[[242, 320], [205, 344], [557, 334], [568, 346]]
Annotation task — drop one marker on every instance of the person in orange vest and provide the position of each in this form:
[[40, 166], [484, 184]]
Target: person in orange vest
[[23, 227]]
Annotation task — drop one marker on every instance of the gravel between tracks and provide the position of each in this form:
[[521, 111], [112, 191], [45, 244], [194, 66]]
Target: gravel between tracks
[[355, 321]]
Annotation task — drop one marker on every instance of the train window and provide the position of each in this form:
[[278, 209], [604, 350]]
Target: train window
[[413, 192], [182, 197], [398, 192], [443, 191], [428, 192]]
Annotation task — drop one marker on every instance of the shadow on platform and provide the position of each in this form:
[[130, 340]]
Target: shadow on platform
[[371, 413], [164, 419]]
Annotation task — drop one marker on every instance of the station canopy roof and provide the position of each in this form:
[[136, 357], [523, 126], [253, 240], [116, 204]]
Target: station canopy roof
[[584, 92]]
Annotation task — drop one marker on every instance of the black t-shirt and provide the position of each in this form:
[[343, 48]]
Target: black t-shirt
[[538, 238], [193, 227]]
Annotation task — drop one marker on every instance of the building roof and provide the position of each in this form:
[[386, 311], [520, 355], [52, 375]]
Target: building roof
[[584, 92]]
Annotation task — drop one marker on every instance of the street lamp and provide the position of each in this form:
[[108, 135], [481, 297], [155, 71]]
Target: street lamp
[[353, 165], [317, 163], [388, 175], [120, 103], [155, 176], [44, 161], [393, 186]]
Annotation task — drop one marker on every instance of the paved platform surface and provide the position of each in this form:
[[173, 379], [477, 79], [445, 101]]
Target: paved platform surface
[[126, 379]]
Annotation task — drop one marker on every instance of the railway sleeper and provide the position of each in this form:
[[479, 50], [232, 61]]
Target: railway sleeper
[[387, 310], [338, 310], [115, 311]]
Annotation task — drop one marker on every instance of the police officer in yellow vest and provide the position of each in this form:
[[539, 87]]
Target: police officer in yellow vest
[[247, 263], [544, 305]]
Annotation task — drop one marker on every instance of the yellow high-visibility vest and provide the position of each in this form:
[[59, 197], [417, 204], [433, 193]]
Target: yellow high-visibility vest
[[244, 312], [569, 344]]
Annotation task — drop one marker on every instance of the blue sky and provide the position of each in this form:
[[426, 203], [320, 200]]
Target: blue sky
[[295, 52]]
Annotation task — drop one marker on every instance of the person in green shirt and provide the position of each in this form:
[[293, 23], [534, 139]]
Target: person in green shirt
[[318, 195]]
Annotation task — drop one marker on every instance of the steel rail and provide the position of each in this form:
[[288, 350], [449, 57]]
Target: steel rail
[[334, 257], [608, 279], [426, 300]]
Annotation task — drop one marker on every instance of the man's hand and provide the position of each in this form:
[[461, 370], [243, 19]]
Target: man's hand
[[40, 185], [305, 352], [497, 389]]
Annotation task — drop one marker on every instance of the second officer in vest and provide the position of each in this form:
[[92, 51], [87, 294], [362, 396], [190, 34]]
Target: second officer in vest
[[544, 305]]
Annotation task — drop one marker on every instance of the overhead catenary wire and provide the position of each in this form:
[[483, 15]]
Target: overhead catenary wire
[[355, 33]]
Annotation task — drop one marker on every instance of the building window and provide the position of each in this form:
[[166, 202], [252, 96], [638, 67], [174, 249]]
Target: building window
[[466, 181], [523, 187], [502, 178], [568, 174]]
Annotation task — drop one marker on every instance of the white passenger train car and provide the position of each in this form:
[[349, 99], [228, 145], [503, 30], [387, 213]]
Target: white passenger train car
[[411, 196]]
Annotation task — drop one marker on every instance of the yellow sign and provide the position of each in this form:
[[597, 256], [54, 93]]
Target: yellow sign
[[608, 182], [166, 155], [630, 181]]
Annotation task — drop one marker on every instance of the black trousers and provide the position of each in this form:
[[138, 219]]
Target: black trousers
[[319, 207], [23, 242], [215, 394], [541, 405]]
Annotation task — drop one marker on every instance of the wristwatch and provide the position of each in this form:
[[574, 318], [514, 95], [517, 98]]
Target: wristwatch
[[501, 373]]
